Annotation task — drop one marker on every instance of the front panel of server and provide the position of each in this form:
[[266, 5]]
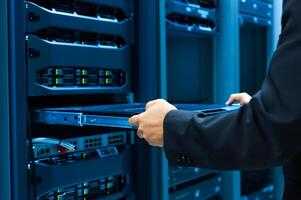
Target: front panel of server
[[82, 167], [79, 47], [195, 16]]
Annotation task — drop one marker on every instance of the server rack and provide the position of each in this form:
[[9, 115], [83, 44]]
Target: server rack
[[48, 41], [191, 27], [155, 163], [256, 22], [4, 104]]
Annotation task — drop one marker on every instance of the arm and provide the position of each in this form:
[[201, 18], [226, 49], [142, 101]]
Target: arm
[[263, 133]]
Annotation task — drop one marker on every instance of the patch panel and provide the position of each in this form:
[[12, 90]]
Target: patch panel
[[80, 77], [85, 143], [92, 189]]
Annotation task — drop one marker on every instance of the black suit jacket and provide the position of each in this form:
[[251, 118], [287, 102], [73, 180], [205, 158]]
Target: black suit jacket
[[262, 134]]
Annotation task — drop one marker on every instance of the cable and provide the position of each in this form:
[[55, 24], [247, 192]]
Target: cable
[[54, 141]]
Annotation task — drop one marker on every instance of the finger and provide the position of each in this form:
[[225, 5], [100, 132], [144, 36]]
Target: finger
[[140, 133], [232, 99], [150, 104], [134, 120]]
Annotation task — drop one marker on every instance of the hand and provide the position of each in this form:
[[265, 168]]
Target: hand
[[242, 98], [150, 122]]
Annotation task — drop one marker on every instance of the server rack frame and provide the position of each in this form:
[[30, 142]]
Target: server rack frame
[[4, 105], [18, 101]]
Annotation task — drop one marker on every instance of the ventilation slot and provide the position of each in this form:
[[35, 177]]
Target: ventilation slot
[[79, 37], [202, 3], [191, 21], [84, 9]]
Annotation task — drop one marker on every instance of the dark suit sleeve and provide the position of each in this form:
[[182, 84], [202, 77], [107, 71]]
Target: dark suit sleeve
[[264, 133]]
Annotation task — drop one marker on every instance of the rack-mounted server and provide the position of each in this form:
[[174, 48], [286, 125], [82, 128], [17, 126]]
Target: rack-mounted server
[[79, 47], [85, 171], [192, 16]]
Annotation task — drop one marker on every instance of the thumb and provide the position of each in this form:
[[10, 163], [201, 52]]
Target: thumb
[[134, 120]]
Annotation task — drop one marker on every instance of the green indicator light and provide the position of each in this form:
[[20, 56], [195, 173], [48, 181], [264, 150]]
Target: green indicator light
[[107, 72], [107, 81], [84, 72], [56, 81], [83, 81], [33, 147], [28, 166], [56, 72]]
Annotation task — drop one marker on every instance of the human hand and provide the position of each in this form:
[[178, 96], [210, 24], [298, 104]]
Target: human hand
[[242, 98], [150, 122]]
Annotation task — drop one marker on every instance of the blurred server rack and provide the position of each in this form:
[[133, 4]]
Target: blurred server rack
[[257, 185], [256, 20], [190, 30]]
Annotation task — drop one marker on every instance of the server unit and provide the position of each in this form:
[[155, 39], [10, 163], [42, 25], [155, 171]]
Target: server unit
[[78, 47], [192, 16], [81, 167]]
